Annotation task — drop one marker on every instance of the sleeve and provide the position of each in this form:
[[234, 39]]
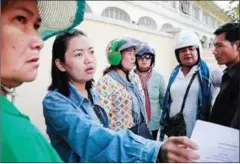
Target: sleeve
[[216, 76], [162, 90], [92, 142], [105, 98]]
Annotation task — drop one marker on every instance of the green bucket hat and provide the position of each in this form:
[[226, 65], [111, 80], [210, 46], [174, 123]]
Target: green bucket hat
[[59, 16]]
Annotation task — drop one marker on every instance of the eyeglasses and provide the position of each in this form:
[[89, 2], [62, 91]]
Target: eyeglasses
[[147, 57]]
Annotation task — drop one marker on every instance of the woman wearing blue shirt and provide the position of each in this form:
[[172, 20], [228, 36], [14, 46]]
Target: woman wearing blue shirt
[[78, 126]]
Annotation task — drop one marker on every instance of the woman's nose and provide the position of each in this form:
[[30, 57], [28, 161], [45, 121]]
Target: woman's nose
[[89, 58]]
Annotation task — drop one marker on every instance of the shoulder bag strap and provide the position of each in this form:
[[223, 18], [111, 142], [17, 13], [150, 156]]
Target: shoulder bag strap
[[187, 90]]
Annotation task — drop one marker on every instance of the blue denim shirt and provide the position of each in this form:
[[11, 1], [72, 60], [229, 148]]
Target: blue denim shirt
[[78, 136]]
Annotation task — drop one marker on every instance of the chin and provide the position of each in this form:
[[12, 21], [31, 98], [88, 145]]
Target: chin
[[89, 77], [220, 62], [30, 77]]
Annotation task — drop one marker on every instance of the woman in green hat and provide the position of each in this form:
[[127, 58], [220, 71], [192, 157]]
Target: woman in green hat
[[120, 90]]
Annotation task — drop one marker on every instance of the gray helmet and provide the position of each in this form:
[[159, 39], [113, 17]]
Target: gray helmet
[[145, 48]]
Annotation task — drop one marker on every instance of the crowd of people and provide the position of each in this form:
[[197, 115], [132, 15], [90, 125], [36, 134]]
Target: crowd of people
[[128, 115]]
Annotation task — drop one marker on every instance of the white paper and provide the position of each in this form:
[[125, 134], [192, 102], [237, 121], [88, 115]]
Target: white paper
[[216, 143]]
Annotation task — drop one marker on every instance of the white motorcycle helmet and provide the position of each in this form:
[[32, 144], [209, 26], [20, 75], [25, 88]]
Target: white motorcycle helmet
[[186, 39]]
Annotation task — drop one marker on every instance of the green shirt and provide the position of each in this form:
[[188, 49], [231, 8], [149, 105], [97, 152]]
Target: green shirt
[[21, 141]]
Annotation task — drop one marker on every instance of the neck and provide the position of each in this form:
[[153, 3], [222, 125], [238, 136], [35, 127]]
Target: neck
[[235, 61], [144, 70], [186, 70], [81, 88], [121, 73]]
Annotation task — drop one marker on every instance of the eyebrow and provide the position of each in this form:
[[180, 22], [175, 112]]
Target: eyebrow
[[29, 12], [215, 43], [82, 49]]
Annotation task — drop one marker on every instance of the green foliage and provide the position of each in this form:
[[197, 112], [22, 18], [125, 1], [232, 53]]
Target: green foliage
[[233, 12]]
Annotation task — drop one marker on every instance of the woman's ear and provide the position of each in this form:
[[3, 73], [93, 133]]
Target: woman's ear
[[60, 65]]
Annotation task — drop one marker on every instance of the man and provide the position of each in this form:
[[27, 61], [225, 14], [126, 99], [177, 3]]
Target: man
[[226, 51]]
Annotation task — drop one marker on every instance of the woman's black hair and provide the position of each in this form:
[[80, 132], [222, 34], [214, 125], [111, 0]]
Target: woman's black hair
[[60, 79], [108, 69]]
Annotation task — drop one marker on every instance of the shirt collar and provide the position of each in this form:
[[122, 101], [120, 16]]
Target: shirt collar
[[78, 98], [232, 71], [11, 109], [192, 71]]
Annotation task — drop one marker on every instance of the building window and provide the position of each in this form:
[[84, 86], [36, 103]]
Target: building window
[[212, 21], [184, 7], [205, 18], [116, 13], [166, 26], [147, 22], [196, 12]]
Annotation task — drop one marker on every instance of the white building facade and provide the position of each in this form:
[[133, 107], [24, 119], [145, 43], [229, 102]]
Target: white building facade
[[203, 17]]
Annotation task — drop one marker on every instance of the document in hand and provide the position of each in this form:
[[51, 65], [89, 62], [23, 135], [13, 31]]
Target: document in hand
[[216, 143]]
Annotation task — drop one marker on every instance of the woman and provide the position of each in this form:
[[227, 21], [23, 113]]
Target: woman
[[120, 90], [153, 85], [77, 125], [21, 43], [196, 103]]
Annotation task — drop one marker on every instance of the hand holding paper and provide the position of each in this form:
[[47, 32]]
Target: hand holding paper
[[216, 143]]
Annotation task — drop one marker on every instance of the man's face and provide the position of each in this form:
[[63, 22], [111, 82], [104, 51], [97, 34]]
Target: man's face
[[224, 51], [20, 43]]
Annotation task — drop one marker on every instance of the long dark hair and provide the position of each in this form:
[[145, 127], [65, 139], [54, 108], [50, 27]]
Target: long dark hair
[[60, 79]]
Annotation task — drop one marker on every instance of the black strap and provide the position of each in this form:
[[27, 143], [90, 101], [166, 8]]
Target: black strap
[[187, 90], [99, 111]]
